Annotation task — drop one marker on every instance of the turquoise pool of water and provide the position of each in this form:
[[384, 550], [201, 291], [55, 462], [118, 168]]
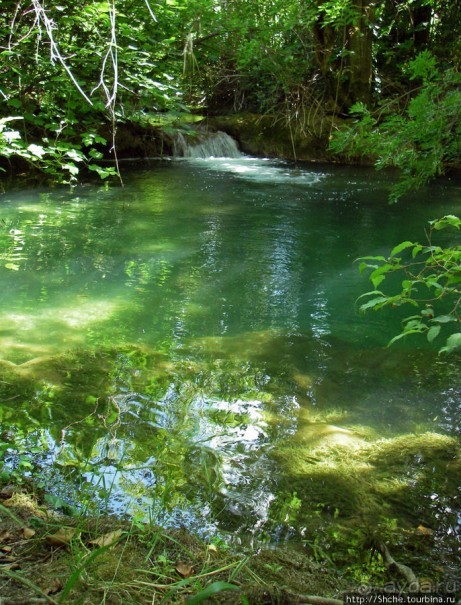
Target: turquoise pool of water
[[190, 347]]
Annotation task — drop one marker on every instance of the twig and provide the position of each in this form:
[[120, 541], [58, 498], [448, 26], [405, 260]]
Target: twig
[[314, 600], [393, 565]]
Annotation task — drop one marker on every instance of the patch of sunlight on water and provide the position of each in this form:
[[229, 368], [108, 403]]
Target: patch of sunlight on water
[[44, 331]]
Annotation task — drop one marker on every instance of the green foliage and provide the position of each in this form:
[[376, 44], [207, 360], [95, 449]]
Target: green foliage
[[209, 591], [431, 284], [422, 140], [70, 69], [72, 73], [61, 161]]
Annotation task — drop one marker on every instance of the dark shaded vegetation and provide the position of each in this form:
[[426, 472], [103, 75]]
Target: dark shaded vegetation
[[78, 82]]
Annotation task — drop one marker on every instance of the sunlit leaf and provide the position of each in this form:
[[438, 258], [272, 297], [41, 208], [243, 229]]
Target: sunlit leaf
[[401, 247], [37, 150], [108, 539], [184, 570], [28, 532], [62, 537], [453, 343], [71, 168]]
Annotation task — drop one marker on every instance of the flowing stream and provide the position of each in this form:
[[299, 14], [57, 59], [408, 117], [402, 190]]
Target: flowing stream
[[188, 349]]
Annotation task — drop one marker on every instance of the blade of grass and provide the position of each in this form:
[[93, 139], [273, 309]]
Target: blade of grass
[[210, 590], [78, 572], [18, 578]]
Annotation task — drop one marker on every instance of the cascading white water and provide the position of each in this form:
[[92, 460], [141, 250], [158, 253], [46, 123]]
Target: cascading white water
[[222, 154], [210, 145]]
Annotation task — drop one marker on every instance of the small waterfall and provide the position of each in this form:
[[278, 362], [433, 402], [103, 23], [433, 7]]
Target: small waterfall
[[208, 145]]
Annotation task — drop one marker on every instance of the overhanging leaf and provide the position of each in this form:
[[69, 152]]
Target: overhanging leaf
[[374, 303], [453, 342], [402, 335], [433, 332], [400, 248], [443, 319]]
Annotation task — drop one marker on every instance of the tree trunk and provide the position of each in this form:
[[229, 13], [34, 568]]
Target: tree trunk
[[360, 46], [343, 55]]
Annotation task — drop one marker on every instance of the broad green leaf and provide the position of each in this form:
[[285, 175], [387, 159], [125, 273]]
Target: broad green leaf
[[374, 302], [381, 258], [402, 335], [371, 294], [433, 332], [37, 150], [377, 280], [448, 220], [415, 324], [428, 312], [411, 318], [432, 249], [71, 168], [416, 250], [401, 247], [406, 284], [443, 319], [364, 265], [434, 284], [453, 342], [378, 274]]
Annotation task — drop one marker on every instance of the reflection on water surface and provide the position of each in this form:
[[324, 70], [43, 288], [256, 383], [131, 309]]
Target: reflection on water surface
[[189, 349]]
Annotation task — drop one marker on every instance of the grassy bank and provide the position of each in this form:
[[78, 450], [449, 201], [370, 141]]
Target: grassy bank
[[47, 557]]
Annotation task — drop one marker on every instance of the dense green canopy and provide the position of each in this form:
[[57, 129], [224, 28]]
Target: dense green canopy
[[70, 73]]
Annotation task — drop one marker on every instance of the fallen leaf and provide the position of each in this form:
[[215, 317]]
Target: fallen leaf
[[424, 531], [28, 532], [6, 491], [212, 548], [62, 537], [6, 549], [6, 536], [107, 539], [54, 587], [184, 570]]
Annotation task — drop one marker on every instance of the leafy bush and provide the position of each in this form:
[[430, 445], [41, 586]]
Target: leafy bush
[[431, 284], [60, 160], [422, 140]]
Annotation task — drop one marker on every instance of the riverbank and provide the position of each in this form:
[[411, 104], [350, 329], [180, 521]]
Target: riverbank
[[48, 557], [272, 136]]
